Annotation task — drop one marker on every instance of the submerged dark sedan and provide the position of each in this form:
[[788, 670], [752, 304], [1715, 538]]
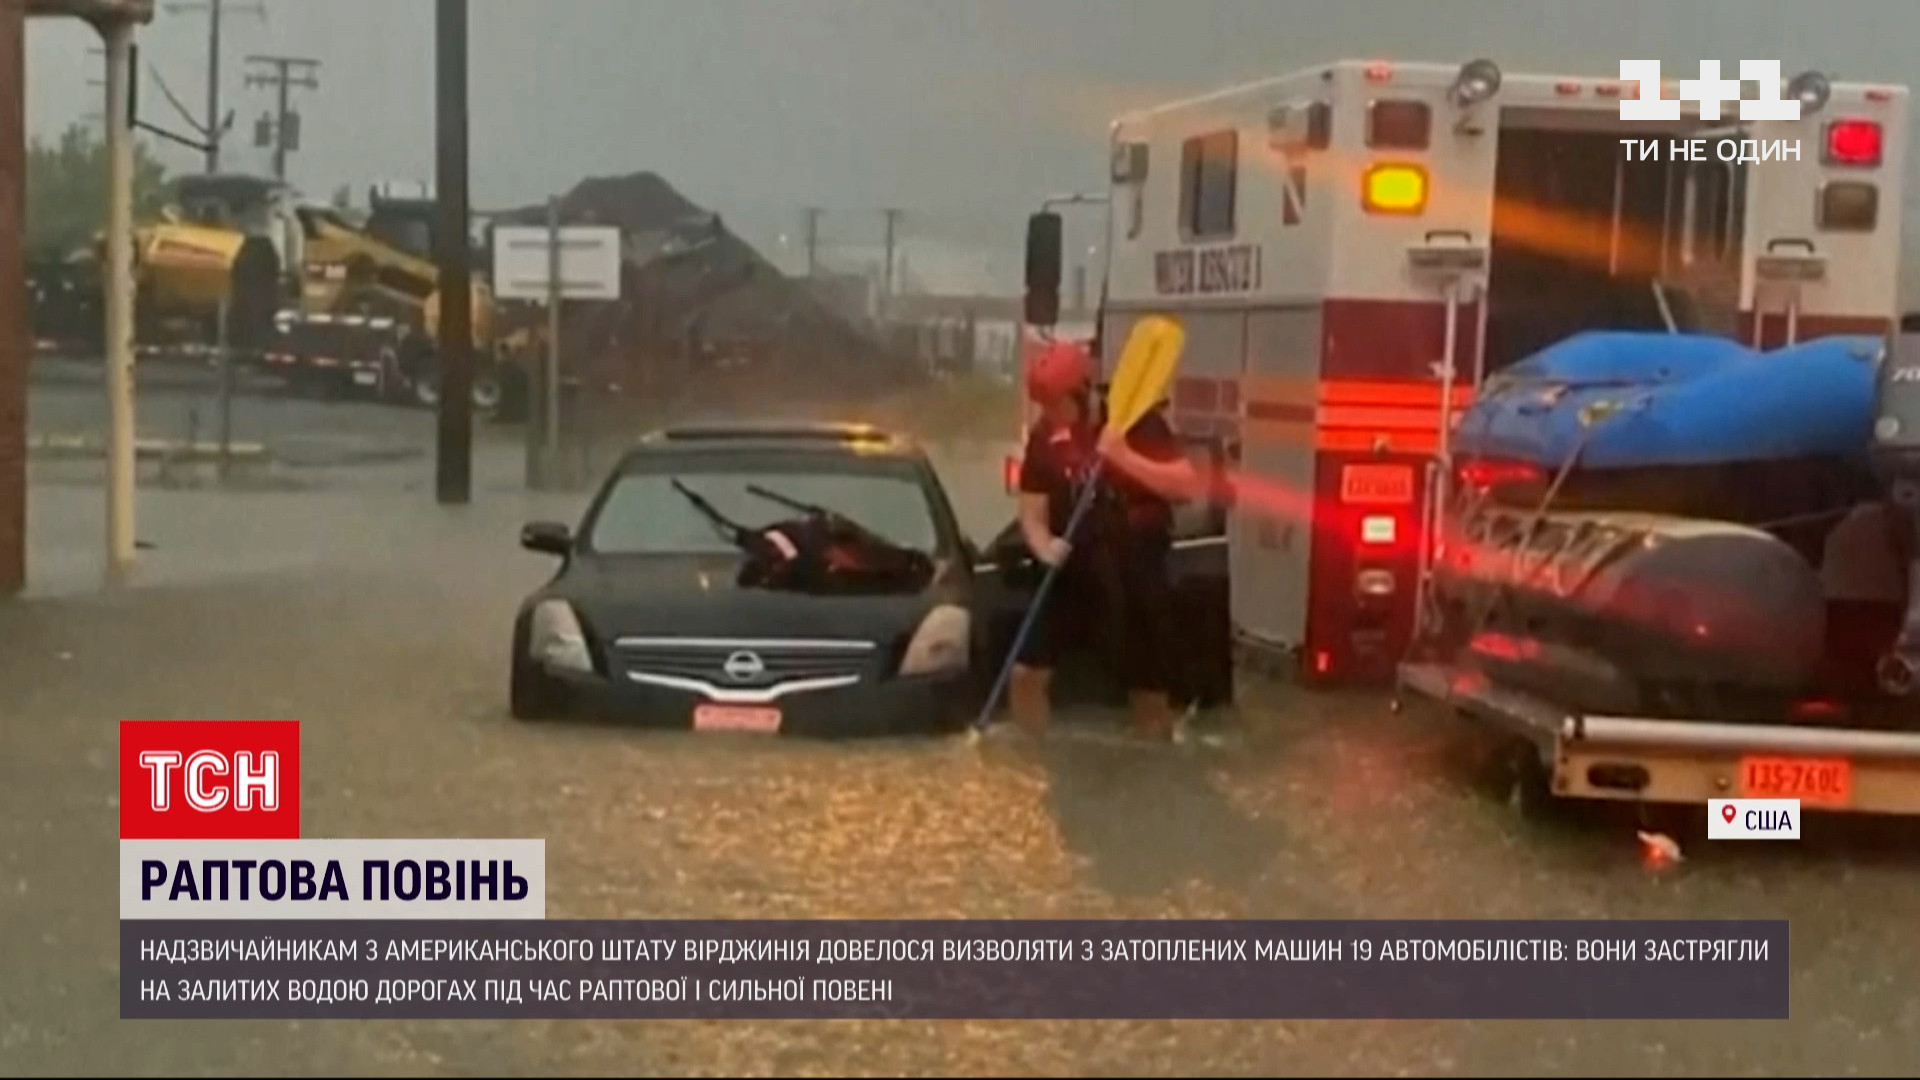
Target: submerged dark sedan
[[656, 614], [673, 606]]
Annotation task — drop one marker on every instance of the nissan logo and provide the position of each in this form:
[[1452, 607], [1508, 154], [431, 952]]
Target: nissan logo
[[744, 667]]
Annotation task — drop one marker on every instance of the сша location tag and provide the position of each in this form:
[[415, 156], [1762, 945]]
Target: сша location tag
[[1753, 819]]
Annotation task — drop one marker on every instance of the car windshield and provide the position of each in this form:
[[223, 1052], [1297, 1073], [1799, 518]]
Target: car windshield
[[644, 515]]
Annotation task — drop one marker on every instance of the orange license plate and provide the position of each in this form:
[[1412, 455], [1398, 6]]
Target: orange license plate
[[1815, 781], [736, 718], [1376, 484]]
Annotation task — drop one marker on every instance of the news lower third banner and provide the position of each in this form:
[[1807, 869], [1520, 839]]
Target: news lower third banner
[[380, 968], [228, 911]]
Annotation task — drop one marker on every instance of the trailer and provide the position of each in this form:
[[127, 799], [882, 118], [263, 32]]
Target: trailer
[[1561, 754]]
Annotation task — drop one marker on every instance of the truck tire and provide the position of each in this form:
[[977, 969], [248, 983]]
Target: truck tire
[[485, 394]]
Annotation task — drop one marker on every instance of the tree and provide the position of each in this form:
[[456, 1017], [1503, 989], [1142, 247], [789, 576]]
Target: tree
[[67, 189]]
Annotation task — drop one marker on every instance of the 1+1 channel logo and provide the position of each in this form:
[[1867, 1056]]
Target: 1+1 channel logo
[[1709, 92]]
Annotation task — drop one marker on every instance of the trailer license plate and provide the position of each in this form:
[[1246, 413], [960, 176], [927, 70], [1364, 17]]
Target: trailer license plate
[[1376, 484], [1815, 781], [365, 378], [735, 718]]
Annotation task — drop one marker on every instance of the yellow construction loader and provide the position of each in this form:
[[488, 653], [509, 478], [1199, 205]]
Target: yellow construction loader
[[210, 249]]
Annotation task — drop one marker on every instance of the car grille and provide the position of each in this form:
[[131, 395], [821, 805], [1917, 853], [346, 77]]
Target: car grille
[[747, 663]]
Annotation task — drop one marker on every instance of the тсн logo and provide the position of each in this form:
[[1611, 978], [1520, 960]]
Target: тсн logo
[[1709, 90], [209, 780]]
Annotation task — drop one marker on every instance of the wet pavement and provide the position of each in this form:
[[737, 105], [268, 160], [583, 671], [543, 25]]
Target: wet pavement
[[380, 622]]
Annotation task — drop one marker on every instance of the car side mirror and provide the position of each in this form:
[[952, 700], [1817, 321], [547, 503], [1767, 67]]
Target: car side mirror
[[547, 537]]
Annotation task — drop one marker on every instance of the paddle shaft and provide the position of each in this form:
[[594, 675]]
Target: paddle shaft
[[1032, 617]]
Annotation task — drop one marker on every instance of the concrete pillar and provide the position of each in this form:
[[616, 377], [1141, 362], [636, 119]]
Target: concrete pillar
[[15, 339]]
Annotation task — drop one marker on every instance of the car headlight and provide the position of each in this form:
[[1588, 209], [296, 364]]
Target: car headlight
[[556, 640], [942, 643]]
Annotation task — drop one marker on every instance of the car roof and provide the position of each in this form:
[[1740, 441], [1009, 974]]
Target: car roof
[[784, 436]]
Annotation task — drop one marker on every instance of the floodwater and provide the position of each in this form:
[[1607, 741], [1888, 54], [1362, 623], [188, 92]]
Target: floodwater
[[352, 603]]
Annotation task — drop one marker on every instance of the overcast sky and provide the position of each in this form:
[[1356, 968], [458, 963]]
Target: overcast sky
[[962, 113]]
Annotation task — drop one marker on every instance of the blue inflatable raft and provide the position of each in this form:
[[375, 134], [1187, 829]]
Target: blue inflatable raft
[[1650, 400]]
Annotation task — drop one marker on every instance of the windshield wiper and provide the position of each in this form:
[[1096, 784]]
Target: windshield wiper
[[731, 531], [831, 516]]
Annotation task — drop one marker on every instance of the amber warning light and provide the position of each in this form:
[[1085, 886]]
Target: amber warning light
[[1395, 189]]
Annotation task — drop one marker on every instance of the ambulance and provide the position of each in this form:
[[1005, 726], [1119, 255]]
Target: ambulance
[[1354, 247]]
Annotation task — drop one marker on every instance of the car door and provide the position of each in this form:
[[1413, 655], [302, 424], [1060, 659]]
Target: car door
[[1007, 579]]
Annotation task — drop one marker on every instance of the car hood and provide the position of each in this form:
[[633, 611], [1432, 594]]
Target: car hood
[[696, 596]]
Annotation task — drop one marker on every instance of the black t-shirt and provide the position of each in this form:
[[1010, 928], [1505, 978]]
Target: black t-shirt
[[1058, 460]]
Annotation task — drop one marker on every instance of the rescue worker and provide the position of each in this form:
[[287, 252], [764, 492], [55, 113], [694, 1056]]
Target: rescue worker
[[1114, 590]]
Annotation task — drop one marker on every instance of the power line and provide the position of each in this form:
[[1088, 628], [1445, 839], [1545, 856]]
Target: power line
[[283, 73]]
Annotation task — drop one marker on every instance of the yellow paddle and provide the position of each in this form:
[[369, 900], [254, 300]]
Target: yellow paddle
[[1140, 379], [1145, 371]]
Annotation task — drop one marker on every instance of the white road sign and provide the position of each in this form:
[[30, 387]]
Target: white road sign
[[589, 262]]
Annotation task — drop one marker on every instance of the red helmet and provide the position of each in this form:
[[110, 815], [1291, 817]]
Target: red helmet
[[1057, 369]]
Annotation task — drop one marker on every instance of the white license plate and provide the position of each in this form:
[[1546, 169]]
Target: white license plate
[[365, 378], [736, 718]]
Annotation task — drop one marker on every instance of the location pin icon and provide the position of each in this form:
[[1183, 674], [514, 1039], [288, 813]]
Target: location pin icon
[[1726, 814]]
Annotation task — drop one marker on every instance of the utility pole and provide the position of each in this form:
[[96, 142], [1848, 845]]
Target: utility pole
[[15, 347], [215, 126], [813, 240], [284, 73], [893, 218], [119, 303], [453, 479]]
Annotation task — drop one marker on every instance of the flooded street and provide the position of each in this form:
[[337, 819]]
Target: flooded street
[[380, 621]]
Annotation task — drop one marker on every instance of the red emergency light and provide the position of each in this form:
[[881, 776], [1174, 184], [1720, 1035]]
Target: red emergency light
[[1854, 142]]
